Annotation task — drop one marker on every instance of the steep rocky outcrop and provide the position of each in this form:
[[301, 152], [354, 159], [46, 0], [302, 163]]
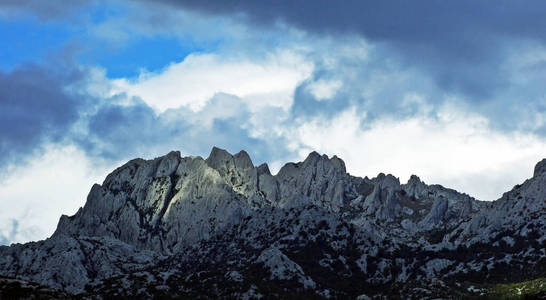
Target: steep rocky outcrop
[[221, 227]]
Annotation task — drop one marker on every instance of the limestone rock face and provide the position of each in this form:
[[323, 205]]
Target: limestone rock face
[[280, 267], [160, 204], [437, 213], [540, 168], [186, 226], [317, 180], [71, 263], [522, 210]]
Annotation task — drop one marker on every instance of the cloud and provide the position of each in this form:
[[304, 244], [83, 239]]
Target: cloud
[[376, 83], [121, 131], [461, 46], [365, 78], [375, 56], [453, 148], [203, 101], [34, 195], [323, 89], [7, 235], [460, 31], [193, 81], [80, 106], [34, 109]]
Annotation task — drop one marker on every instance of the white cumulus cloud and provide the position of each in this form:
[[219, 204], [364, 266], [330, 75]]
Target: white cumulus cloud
[[324, 89], [34, 196], [270, 81]]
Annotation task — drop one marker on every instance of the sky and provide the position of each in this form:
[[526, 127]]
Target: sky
[[452, 92]]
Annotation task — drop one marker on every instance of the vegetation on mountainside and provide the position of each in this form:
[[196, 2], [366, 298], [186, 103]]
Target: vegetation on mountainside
[[533, 289]]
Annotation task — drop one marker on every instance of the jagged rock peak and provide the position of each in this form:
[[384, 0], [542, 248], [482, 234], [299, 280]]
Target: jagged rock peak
[[414, 180], [220, 157], [242, 160], [263, 169], [314, 155], [388, 180], [168, 164], [540, 168], [158, 167], [339, 163], [315, 158]]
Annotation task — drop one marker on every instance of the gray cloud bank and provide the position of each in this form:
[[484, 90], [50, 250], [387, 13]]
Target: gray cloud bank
[[431, 48], [34, 110], [462, 31], [40, 107], [465, 47]]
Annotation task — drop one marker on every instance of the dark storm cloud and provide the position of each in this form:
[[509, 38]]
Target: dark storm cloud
[[461, 44], [34, 109], [460, 30]]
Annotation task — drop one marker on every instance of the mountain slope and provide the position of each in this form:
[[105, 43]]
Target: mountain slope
[[222, 227]]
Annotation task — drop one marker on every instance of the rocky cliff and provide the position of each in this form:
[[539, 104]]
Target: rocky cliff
[[222, 227]]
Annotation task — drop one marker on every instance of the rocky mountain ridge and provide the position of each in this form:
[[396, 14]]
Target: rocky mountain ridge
[[222, 227]]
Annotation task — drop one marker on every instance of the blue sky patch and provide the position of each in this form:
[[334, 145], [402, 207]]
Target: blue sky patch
[[30, 41], [151, 54]]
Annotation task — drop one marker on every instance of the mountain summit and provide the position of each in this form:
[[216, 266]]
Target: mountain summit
[[221, 227]]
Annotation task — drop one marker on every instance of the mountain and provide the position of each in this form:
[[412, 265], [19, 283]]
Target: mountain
[[188, 227]]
